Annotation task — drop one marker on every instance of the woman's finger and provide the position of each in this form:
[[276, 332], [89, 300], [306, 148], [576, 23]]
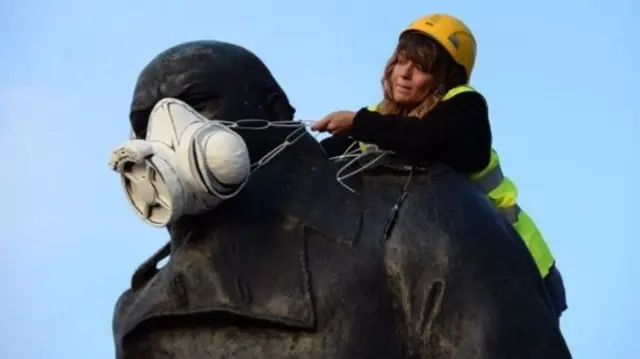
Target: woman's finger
[[333, 125], [320, 125]]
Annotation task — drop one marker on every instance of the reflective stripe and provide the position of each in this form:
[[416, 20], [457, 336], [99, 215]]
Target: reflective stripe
[[511, 213], [491, 180]]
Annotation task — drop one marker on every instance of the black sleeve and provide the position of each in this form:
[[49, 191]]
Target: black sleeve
[[455, 132], [336, 145]]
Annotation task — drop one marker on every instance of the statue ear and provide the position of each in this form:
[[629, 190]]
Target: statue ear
[[138, 120], [279, 107]]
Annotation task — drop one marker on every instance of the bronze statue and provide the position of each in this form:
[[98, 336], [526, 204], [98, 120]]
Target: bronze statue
[[413, 265]]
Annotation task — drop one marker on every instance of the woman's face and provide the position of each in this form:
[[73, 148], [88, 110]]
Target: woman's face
[[409, 83]]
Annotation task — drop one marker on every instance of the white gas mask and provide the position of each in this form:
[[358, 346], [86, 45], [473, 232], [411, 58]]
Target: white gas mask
[[186, 164]]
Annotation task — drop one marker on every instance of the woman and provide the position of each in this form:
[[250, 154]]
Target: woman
[[430, 114]]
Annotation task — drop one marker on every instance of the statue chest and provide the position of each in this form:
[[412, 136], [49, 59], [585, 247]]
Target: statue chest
[[291, 293]]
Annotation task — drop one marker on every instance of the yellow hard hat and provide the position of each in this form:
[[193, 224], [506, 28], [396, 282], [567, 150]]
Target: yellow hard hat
[[452, 34]]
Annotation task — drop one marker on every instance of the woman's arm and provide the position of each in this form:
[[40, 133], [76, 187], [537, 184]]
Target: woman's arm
[[455, 132]]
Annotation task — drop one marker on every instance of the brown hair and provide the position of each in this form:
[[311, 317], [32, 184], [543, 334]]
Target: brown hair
[[434, 59]]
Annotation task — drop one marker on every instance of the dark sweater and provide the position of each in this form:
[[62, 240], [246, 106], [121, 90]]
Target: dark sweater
[[455, 132]]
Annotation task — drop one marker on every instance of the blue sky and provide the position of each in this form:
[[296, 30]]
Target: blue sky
[[559, 77]]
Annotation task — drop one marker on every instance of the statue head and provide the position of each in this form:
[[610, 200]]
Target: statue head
[[189, 151], [218, 79]]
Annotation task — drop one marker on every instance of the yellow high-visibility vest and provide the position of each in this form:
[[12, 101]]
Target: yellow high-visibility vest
[[503, 193]]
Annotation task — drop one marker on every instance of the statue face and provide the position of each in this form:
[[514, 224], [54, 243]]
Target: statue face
[[187, 164]]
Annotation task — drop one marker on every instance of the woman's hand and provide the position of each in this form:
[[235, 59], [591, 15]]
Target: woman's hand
[[335, 122]]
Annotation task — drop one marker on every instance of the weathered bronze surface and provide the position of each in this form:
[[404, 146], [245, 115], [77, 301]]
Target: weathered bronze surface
[[298, 267]]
